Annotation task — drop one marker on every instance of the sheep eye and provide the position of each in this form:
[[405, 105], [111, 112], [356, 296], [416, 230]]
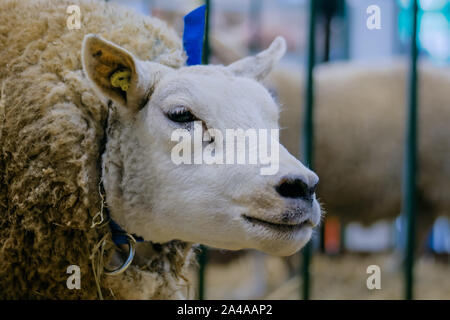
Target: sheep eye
[[181, 114]]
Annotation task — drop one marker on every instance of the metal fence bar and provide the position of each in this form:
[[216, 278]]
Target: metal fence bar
[[202, 261], [308, 132], [203, 255], [410, 165], [206, 47], [328, 15]]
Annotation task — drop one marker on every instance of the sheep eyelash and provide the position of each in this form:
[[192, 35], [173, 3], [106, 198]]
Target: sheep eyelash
[[179, 110], [189, 125]]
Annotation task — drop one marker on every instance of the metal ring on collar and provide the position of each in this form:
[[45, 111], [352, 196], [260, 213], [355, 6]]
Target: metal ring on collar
[[131, 251]]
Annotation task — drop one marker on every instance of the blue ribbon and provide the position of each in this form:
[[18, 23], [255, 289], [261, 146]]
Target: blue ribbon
[[194, 35]]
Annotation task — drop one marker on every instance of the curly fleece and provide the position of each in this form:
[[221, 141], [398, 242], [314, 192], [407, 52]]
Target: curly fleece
[[51, 137]]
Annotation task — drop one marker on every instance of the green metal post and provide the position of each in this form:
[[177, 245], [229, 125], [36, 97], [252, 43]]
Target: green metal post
[[308, 132], [202, 260], [203, 255], [206, 47], [327, 15], [410, 165], [255, 17]]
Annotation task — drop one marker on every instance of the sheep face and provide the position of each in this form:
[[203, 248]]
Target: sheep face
[[163, 187]]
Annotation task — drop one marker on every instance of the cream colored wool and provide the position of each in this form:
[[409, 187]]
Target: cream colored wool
[[51, 135]]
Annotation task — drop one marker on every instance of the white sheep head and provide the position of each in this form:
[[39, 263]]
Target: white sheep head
[[230, 206]]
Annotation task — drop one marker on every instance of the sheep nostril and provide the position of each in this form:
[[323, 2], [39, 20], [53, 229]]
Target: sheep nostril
[[314, 188], [296, 188]]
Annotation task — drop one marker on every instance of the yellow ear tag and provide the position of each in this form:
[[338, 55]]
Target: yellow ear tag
[[121, 78]]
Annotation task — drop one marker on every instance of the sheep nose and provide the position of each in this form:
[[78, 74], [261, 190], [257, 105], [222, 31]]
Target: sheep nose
[[296, 187]]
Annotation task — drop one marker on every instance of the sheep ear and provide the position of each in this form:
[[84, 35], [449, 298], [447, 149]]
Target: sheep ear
[[115, 72], [259, 66]]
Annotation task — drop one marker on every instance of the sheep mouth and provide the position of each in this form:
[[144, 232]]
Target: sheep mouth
[[282, 227]]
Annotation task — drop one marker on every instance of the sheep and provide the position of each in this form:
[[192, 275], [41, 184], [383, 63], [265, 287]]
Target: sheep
[[87, 118], [360, 124]]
